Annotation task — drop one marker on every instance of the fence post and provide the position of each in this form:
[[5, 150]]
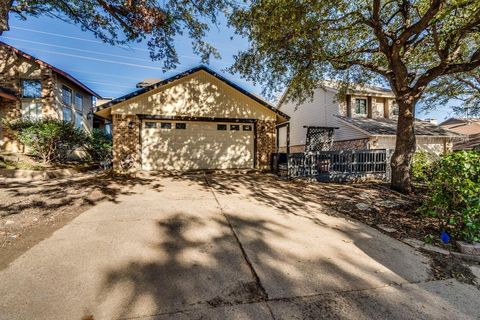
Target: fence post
[[388, 168]]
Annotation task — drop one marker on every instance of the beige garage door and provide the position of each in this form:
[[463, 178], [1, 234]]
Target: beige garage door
[[172, 145]]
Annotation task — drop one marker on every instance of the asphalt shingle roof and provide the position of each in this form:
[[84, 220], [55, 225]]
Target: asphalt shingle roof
[[382, 126]]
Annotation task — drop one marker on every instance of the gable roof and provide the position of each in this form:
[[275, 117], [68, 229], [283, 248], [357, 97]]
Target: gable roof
[[55, 69], [183, 75], [383, 126]]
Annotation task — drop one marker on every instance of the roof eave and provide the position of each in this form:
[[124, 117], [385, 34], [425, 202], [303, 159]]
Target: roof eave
[[182, 75]]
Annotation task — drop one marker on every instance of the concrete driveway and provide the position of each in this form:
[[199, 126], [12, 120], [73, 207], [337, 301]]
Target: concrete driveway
[[224, 246]]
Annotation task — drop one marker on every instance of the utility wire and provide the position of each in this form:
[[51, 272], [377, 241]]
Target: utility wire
[[96, 59], [92, 41], [81, 50], [106, 83], [109, 75]]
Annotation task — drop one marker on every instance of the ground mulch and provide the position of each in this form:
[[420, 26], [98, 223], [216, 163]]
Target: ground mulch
[[31, 211], [375, 204]]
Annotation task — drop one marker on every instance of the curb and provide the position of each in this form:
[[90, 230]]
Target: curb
[[40, 175]]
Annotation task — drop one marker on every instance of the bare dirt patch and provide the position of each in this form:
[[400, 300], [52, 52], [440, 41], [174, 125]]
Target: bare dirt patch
[[31, 211]]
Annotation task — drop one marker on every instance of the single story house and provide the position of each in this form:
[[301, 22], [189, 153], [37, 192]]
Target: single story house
[[31, 88], [194, 120], [364, 118]]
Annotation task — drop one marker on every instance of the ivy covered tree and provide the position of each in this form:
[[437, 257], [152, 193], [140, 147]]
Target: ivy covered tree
[[462, 90], [125, 21], [409, 44]]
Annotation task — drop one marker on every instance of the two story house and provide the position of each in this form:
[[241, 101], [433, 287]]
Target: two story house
[[31, 88], [366, 118]]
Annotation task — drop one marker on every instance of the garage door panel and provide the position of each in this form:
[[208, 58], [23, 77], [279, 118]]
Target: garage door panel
[[199, 146]]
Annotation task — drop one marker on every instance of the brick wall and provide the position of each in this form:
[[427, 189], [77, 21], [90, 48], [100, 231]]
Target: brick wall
[[126, 141], [357, 144], [265, 143], [293, 149]]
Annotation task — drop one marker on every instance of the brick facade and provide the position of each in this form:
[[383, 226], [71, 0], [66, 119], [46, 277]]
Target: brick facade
[[265, 136], [357, 144], [13, 69], [126, 142]]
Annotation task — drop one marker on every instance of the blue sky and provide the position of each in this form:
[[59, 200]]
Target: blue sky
[[114, 71]]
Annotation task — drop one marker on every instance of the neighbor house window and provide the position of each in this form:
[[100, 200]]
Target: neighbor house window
[[78, 102], [66, 95], [107, 128], [234, 127], [361, 106], [221, 127], [395, 108], [31, 99], [31, 89], [247, 127], [31, 110], [166, 125], [78, 120], [67, 114], [182, 126]]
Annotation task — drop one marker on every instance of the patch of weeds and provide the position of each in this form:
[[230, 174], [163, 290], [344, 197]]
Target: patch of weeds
[[430, 238]]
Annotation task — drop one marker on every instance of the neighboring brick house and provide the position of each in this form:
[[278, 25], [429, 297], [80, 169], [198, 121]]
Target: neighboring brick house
[[195, 120], [32, 88], [366, 118]]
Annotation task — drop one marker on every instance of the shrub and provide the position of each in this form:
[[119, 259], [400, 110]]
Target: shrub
[[454, 194], [99, 146], [422, 166], [51, 140]]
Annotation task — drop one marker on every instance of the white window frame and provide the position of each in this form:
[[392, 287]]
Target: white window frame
[[65, 108], [80, 96], [71, 95], [78, 120], [23, 91], [27, 111]]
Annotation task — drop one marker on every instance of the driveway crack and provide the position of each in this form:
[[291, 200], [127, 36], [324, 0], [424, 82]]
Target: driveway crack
[[263, 295]]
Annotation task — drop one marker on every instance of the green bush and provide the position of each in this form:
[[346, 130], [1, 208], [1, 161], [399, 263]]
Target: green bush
[[99, 146], [422, 166], [49, 139], [454, 194]]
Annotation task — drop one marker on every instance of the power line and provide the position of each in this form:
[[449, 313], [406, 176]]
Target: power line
[[72, 48], [105, 83], [89, 40], [103, 74], [71, 37], [96, 59]]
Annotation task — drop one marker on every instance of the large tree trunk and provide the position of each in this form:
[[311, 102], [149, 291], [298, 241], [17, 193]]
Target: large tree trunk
[[404, 148], [5, 6]]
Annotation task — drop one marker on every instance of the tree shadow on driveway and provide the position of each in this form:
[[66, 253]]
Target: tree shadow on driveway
[[199, 270]]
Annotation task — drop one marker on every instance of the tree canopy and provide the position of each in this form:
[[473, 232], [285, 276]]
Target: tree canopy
[[462, 91], [407, 43], [125, 21]]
